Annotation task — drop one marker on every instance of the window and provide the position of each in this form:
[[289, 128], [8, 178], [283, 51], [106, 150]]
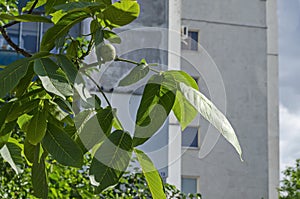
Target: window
[[190, 137], [29, 35], [191, 43], [189, 185]]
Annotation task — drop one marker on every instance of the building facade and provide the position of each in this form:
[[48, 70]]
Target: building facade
[[241, 39], [230, 48]]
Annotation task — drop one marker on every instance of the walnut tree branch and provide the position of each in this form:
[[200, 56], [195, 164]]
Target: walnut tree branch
[[8, 39], [16, 22], [12, 44]]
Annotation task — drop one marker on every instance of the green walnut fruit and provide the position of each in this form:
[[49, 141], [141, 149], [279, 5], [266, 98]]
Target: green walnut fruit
[[106, 52]]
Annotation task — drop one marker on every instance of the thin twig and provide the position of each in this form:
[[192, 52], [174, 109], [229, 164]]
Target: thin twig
[[154, 70], [106, 99], [136, 63], [126, 60], [12, 44], [91, 44], [7, 38], [16, 22], [99, 88]]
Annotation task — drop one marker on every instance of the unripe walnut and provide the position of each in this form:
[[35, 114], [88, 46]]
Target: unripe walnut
[[106, 52]]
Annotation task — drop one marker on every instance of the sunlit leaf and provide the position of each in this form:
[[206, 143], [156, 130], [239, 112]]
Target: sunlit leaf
[[121, 13], [155, 106], [52, 80], [4, 140], [111, 36], [153, 178], [26, 18], [62, 27], [135, 75], [183, 110], [11, 153], [210, 112], [30, 4]]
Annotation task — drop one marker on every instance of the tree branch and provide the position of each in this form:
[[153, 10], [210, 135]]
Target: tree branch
[[7, 38], [12, 44], [16, 22]]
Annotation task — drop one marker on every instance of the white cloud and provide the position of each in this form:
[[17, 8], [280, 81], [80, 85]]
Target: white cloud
[[289, 137]]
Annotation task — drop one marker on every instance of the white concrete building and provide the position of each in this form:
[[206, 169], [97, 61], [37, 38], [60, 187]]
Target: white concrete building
[[237, 68], [236, 65]]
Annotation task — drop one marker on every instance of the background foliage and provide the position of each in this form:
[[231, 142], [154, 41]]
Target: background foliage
[[69, 182], [290, 185]]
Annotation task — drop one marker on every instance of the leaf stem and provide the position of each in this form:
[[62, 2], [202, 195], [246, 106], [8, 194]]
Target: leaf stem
[[154, 70], [126, 60], [99, 88], [136, 63], [103, 94]]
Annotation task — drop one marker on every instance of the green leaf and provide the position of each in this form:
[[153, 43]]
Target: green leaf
[[4, 140], [93, 128], [30, 4], [55, 111], [98, 37], [155, 106], [4, 110], [183, 110], [61, 28], [49, 7], [210, 112], [23, 121], [26, 18], [153, 178], [52, 81], [62, 147], [111, 36], [39, 175], [116, 123], [111, 159], [7, 128], [11, 153], [68, 67], [121, 13], [37, 127], [24, 83], [135, 75], [106, 2], [21, 107], [71, 6], [29, 151], [73, 48], [12, 74]]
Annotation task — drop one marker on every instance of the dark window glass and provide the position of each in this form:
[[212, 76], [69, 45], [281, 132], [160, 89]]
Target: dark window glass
[[189, 185], [191, 43], [30, 32], [190, 137], [194, 37]]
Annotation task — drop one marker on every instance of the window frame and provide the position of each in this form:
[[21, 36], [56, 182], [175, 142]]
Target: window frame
[[198, 139], [197, 178], [189, 46]]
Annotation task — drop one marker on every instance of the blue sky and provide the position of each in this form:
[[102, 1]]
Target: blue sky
[[289, 80]]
